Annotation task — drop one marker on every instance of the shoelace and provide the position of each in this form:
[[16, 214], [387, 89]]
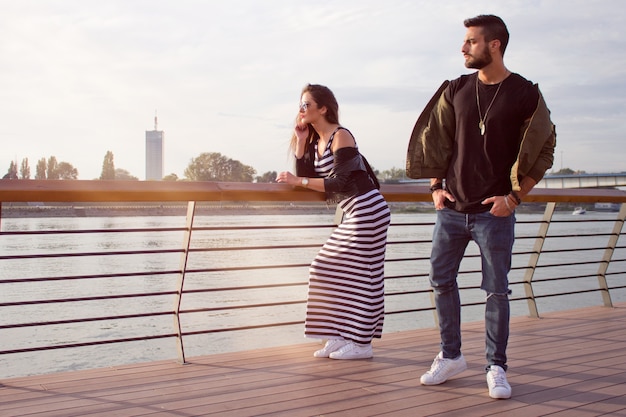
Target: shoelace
[[437, 365], [498, 378]]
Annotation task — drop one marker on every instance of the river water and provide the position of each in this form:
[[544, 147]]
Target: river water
[[409, 239]]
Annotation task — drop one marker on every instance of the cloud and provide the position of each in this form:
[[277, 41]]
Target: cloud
[[80, 78]]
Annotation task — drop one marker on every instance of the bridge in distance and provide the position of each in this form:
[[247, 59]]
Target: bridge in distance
[[608, 180]]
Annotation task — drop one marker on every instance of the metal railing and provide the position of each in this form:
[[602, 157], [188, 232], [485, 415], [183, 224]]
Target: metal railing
[[230, 278]]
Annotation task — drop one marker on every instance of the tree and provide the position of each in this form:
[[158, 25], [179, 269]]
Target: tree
[[170, 177], [567, 171], [25, 170], [50, 169], [392, 175], [122, 174], [52, 172], [240, 172], [42, 167], [217, 167], [12, 172], [108, 167], [65, 171], [269, 176]]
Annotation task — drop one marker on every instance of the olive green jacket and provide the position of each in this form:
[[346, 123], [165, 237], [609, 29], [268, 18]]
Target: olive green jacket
[[432, 141]]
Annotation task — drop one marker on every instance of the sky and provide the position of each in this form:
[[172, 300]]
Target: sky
[[79, 78]]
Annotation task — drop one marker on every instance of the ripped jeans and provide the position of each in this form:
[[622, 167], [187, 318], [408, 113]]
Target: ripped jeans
[[494, 236]]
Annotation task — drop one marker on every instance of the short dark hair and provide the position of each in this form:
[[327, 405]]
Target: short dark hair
[[493, 28]]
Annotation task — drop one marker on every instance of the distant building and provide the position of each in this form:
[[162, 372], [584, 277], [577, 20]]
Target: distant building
[[154, 153]]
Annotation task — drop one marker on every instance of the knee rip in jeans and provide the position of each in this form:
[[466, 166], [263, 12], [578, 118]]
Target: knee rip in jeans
[[505, 294]]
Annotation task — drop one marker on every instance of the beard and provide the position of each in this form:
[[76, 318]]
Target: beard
[[481, 61]]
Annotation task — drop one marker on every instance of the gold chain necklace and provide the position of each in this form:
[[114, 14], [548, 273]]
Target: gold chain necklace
[[481, 123]]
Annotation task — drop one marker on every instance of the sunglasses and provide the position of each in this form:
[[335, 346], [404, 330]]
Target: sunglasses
[[304, 106]]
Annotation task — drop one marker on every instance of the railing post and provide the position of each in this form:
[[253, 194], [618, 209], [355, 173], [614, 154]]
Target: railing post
[[534, 259], [191, 209], [608, 254], [338, 216]]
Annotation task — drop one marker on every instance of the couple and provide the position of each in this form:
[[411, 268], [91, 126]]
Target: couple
[[484, 140]]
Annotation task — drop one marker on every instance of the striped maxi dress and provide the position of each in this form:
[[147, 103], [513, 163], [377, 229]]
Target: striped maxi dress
[[346, 278]]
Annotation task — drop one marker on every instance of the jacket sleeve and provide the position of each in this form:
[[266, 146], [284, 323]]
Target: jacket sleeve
[[430, 145], [304, 165], [536, 154], [347, 160]]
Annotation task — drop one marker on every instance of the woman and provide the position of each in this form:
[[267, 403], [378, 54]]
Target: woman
[[345, 303]]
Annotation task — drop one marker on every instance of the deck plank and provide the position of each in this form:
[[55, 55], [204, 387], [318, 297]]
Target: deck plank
[[566, 363]]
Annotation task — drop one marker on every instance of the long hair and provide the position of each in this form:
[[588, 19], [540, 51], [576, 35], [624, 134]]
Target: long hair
[[323, 97], [493, 28]]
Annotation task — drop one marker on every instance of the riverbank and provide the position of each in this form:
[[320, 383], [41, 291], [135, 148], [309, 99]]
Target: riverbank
[[180, 209], [143, 209], [33, 210]]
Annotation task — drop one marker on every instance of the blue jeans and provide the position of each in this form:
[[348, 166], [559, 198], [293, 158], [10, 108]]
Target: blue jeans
[[494, 237]]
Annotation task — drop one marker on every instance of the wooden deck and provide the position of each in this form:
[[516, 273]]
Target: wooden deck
[[568, 363]]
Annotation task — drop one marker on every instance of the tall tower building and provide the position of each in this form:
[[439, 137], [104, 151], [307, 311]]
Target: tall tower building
[[154, 153]]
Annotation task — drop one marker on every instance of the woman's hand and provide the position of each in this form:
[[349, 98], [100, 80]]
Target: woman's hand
[[288, 178], [315, 184], [301, 131]]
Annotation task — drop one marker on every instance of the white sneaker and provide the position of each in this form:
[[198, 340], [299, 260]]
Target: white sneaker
[[499, 388], [330, 346], [442, 369], [353, 350]]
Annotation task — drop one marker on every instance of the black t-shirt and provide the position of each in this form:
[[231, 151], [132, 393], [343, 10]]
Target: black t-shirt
[[481, 164]]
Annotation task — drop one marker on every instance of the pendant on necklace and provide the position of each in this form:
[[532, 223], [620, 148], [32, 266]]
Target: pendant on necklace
[[481, 126]]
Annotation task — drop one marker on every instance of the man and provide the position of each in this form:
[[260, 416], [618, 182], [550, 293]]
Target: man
[[484, 140]]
